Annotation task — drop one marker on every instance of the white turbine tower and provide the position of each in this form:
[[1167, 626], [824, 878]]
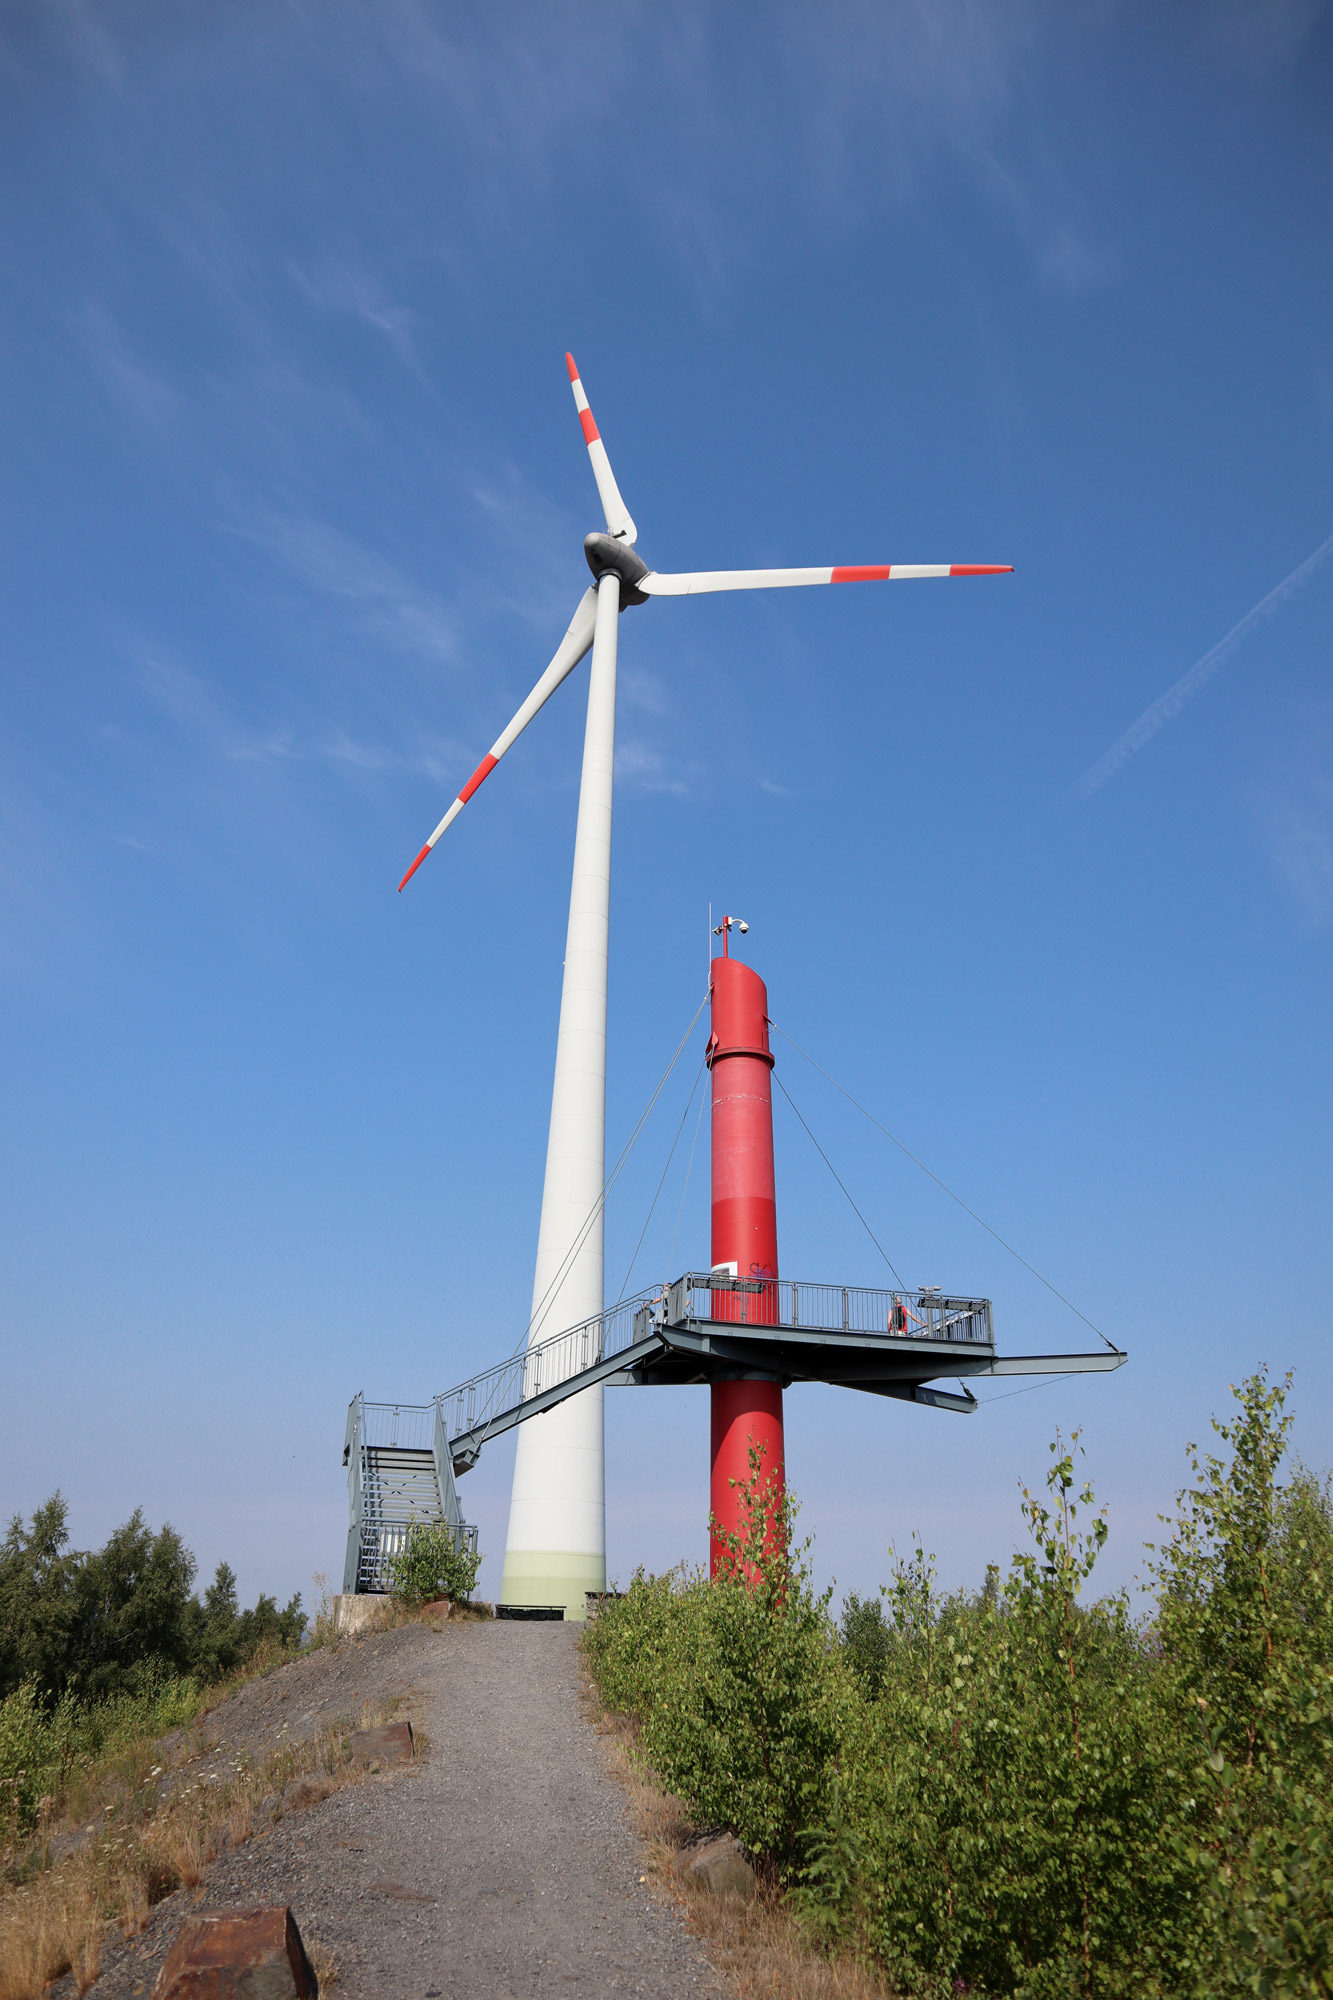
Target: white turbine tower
[[556, 1549]]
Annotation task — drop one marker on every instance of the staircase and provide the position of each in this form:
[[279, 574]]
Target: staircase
[[399, 1488], [393, 1484]]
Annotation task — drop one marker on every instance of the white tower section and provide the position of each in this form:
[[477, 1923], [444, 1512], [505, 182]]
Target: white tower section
[[556, 1549]]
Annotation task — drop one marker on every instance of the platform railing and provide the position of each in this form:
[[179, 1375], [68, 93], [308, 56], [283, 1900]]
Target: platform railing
[[819, 1308], [410, 1426], [544, 1365]]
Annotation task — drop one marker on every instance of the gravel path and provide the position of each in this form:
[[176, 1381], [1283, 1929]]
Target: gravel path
[[500, 1864]]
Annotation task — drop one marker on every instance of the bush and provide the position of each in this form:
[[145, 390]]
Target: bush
[[865, 1636], [432, 1563], [44, 1744], [1015, 1791], [1246, 1630], [1007, 1785], [29, 1757], [737, 1683]]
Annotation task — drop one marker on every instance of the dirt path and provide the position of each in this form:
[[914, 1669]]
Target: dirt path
[[502, 1864]]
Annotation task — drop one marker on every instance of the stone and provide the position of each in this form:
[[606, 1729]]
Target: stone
[[364, 1611], [238, 1955], [393, 1744], [720, 1867]]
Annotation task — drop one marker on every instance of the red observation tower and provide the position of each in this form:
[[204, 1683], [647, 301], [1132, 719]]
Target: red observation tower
[[747, 1409]]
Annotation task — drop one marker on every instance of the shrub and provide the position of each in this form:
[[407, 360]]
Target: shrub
[[1006, 1784], [46, 1744], [433, 1563], [1017, 1791], [29, 1758], [865, 1636], [736, 1682]]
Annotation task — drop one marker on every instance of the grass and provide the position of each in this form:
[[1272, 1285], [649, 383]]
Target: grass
[[123, 1831], [124, 1823], [758, 1946], [143, 1847]]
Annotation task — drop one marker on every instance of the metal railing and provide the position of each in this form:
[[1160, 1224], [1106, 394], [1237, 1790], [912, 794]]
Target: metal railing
[[371, 1540], [410, 1426], [544, 1365], [816, 1308], [382, 1541]]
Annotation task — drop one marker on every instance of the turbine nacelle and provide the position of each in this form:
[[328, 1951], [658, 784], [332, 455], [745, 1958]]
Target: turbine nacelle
[[608, 555]]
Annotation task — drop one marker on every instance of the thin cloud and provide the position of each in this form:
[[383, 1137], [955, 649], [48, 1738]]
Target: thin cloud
[[648, 770], [195, 708], [389, 606], [137, 388], [335, 286], [1170, 704], [641, 688], [1294, 805], [1300, 842]]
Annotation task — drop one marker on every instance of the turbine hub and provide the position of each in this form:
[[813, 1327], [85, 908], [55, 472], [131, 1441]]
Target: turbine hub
[[605, 554]]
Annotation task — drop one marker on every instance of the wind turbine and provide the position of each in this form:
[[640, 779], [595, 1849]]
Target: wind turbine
[[556, 1548]]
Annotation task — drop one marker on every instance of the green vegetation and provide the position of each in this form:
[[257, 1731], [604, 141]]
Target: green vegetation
[[431, 1565], [103, 1647], [1017, 1791]]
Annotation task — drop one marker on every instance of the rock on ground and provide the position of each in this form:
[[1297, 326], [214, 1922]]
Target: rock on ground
[[500, 1863]]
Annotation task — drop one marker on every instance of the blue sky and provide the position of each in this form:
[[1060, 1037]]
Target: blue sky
[[293, 498]]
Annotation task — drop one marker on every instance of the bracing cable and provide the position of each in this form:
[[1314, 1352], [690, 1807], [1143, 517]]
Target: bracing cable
[[661, 1183], [1053, 1289], [837, 1177], [1032, 1387], [689, 1169], [543, 1305]]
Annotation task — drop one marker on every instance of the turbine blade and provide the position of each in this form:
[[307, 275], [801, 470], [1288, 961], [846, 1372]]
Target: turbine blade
[[572, 647], [690, 583], [618, 520]]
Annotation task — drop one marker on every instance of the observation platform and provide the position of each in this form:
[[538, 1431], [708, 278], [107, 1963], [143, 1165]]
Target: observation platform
[[708, 1326]]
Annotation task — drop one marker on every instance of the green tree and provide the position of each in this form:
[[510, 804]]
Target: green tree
[[265, 1623], [132, 1599], [38, 1609], [1246, 1624]]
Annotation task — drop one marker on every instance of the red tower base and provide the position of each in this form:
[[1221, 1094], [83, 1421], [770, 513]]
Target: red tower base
[[746, 1415]]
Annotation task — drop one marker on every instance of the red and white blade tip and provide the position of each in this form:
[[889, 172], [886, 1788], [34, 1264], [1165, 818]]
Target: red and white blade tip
[[591, 434], [413, 869], [619, 521]]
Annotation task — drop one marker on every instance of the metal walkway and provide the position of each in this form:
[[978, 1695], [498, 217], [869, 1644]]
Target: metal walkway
[[709, 1326], [706, 1327]]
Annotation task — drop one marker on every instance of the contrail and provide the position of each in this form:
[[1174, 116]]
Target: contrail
[[1174, 699]]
